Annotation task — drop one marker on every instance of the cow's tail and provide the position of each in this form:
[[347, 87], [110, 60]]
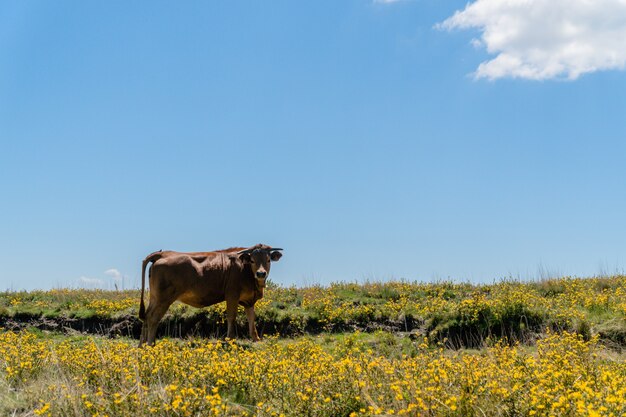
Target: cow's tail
[[153, 257]]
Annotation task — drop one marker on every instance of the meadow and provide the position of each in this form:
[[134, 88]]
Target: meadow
[[548, 348]]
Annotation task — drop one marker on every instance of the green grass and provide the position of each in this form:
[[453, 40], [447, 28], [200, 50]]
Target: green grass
[[458, 314]]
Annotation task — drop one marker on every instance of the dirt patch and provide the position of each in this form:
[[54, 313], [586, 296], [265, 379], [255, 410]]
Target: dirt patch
[[198, 325]]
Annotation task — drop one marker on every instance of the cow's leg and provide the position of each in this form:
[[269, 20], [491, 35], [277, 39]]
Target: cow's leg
[[231, 315], [153, 317], [251, 327]]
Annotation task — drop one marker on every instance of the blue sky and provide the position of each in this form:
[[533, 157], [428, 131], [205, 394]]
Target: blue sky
[[370, 140]]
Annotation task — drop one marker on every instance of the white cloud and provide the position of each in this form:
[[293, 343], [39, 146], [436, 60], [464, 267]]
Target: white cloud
[[545, 39], [93, 282], [113, 278], [113, 273]]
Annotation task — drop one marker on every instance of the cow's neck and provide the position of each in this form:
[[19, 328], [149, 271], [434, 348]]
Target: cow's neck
[[258, 291]]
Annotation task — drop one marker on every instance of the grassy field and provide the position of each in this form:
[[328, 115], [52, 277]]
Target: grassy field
[[508, 349], [462, 315]]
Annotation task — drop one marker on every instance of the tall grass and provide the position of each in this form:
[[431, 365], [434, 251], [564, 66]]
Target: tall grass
[[462, 314]]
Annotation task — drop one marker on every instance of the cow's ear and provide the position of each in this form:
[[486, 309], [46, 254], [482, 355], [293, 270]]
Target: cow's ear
[[245, 258], [275, 256]]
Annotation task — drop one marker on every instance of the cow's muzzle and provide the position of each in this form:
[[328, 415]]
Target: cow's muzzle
[[261, 274]]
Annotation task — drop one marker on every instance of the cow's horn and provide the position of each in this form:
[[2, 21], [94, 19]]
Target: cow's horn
[[241, 252], [272, 249]]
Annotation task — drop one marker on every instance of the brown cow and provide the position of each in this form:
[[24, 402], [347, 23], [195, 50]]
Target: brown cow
[[201, 279]]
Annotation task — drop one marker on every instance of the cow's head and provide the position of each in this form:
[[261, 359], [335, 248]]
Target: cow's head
[[260, 257]]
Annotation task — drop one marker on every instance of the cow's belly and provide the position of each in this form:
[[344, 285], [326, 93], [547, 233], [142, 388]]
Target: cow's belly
[[199, 301]]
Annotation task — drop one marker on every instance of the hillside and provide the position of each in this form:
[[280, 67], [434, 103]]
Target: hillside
[[460, 315]]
